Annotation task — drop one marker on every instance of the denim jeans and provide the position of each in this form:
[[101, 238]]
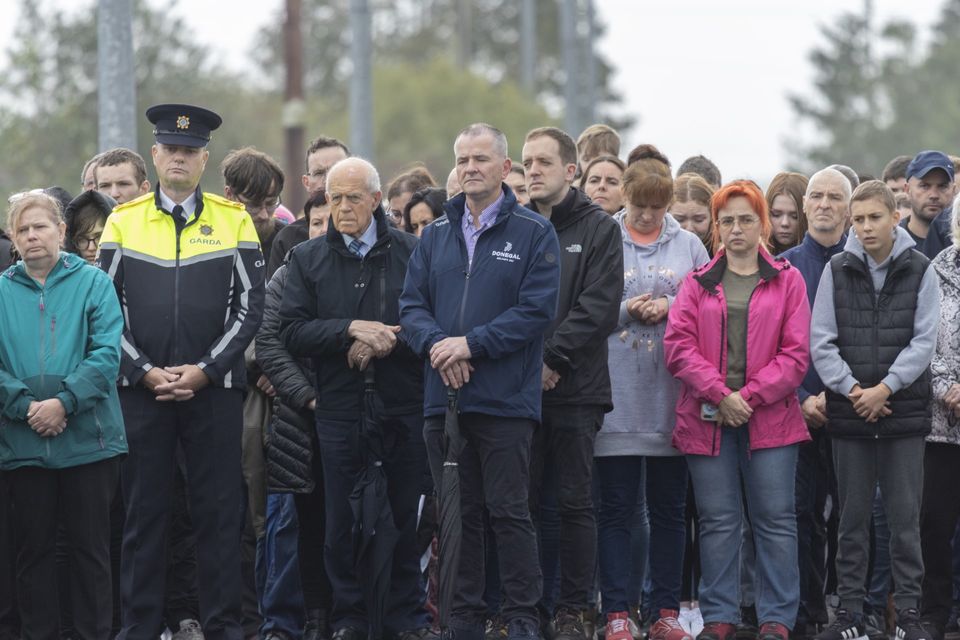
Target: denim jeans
[[769, 485], [278, 570], [639, 586], [666, 491]]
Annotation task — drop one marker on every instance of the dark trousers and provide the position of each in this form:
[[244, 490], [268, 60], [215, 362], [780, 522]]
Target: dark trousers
[[79, 499], [181, 598], [562, 456], [938, 522], [813, 463], [208, 429], [9, 617], [494, 471], [342, 464], [311, 514], [666, 491]]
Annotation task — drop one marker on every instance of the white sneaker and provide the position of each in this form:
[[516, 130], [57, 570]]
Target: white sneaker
[[696, 622], [684, 619]]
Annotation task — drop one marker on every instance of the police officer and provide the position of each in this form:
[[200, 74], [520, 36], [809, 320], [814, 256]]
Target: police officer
[[188, 270]]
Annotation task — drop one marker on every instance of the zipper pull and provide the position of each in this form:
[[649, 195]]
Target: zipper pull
[[41, 300]]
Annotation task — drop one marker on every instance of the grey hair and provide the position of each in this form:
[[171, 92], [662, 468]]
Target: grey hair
[[482, 128], [356, 163], [832, 173]]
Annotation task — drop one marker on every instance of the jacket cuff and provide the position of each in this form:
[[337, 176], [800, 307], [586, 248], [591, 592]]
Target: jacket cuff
[[746, 395], [476, 349], [892, 382], [68, 400], [556, 361]]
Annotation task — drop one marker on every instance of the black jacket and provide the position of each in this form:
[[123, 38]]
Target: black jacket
[[327, 288], [6, 251], [591, 287], [290, 437], [287, 238], [871, 333]]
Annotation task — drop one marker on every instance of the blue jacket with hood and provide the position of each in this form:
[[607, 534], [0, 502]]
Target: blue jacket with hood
[[503, 303]]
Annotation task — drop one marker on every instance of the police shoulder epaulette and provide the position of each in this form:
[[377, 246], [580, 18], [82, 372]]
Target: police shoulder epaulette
[[136, 201], [224, 201]]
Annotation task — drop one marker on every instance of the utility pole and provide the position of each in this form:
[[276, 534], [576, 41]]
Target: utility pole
[[590, 77], [116, 82], [464, 44], [361, 90], [528, 46], [294, 108], [570, 57]]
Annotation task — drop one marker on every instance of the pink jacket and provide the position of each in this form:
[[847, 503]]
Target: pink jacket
[[778, 354]]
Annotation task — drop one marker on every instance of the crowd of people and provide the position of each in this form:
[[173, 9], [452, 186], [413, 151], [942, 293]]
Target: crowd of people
[[645, 402]]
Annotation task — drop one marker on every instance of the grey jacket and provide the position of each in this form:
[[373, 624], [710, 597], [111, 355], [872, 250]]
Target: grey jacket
[[946, 360]]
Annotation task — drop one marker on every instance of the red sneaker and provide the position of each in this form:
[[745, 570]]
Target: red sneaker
[[618, 626], [773, 631], [668, 627]]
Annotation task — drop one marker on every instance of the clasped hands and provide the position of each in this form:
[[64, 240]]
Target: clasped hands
[[47, 417], [952, 399], [451, 358], [647, 309], [871, 404], [371, 340], [733, 411], [178, 383]]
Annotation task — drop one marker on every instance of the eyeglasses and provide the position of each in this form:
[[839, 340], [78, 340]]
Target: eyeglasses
[[746, 222], [24, 194], [269, 207], [84, 242]]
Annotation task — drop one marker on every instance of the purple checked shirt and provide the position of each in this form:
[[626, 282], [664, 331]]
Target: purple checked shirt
[[470, 233]]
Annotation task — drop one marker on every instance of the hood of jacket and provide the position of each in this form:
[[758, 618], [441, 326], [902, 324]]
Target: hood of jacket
[[574, 206], [902, 242], [103, 204], [710, 275]]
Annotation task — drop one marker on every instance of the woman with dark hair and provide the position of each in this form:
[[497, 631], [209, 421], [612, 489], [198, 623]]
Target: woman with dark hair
[[62, 433], [601, 182], [517, 181], [691, 206], [657, 254], [738, 339], [85, 218], [402, 188], [425, 206], [785, 201]]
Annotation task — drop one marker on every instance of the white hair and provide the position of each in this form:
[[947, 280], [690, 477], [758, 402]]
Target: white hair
[[356, 163], [831, 173]]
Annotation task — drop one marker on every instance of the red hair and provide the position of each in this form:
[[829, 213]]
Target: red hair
[[741, 189]]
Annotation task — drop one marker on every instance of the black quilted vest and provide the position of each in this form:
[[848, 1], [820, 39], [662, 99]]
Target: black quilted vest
[[872, 331]]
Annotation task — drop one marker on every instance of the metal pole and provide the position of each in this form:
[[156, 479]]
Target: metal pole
[[570, 57], [116, 82], [361, 100], [294, 108], [464, 33], [590, 77], [528, 45]]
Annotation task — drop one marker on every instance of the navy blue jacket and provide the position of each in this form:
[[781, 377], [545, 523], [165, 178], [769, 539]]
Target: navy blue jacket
[[503, 306], [939, 237], [810, 258]]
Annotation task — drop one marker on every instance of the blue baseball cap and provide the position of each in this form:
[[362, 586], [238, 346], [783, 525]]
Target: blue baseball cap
[[926, 161]]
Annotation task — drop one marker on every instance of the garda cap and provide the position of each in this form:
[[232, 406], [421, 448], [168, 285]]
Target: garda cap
[[182, 124]]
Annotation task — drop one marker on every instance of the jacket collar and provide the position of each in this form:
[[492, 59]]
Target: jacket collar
[[454, 207], [335, 238], [710, 275], [574, 206], [199, 197], [812, 246]]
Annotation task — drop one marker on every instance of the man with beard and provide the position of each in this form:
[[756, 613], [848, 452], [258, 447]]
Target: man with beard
[[255, 180], [930, 187]]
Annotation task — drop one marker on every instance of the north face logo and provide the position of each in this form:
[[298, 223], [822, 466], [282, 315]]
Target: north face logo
[[575, 248]]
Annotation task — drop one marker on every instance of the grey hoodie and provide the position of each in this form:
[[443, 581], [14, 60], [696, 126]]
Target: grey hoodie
[[912, 361], [644, 392]]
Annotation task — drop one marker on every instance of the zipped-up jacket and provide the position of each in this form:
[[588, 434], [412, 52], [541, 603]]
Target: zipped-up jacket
[[327, 288], [591, 283], [60, 340], [191, 292], [777, 355], [502, 303]]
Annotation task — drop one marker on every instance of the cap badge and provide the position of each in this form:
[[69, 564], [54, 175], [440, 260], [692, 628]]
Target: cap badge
[[183, 122]]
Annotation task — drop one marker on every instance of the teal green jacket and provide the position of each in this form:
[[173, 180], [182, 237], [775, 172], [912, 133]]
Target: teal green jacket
[[60, 340]]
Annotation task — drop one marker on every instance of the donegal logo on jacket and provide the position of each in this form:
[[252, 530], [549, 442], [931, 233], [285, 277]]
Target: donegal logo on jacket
[[506, 255]]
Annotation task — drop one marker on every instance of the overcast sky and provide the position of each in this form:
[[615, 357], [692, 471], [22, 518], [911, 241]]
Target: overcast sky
[[676, 61]]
